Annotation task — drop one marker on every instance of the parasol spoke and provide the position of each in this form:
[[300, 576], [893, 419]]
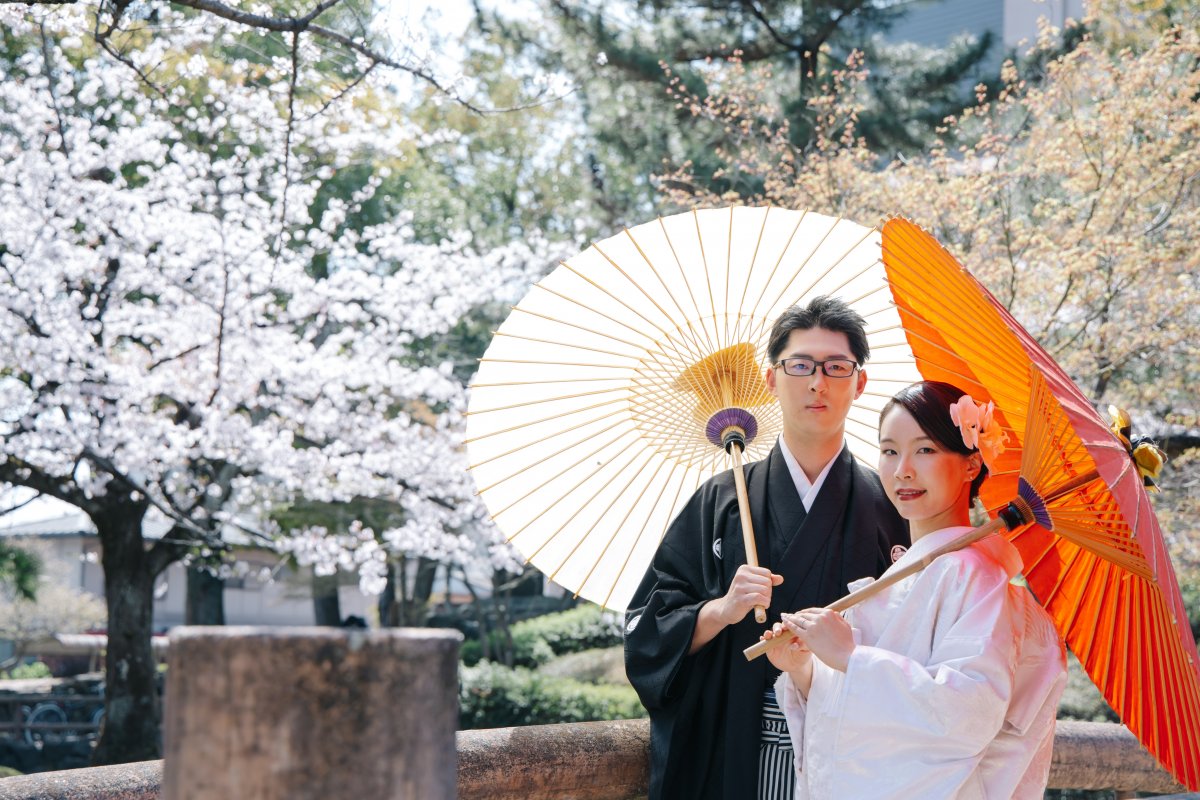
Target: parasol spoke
[[587, 501], [543, 382], [698, 345], [567, 491], [568, 345], [775, 267], [592, 309], [531, 362], [524, 425], [599, 334], [964, 377], [555, 399], [662, 334], [681, 359], [521, 468], [537, 487], [552, 573], [798, 295], [621, 526], [708, 344], [741, 306]]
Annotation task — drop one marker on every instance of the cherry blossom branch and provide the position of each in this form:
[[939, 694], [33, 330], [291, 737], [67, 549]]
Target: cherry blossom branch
[[19, 472]]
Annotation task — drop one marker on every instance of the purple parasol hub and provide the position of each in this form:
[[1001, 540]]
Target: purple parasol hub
[[1030, 495], [728, 418]]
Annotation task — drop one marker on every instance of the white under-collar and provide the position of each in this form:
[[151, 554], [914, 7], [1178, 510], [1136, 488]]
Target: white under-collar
[[808, 490]]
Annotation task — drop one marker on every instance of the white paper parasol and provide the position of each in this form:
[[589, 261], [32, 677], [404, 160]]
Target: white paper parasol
[[599, 406]]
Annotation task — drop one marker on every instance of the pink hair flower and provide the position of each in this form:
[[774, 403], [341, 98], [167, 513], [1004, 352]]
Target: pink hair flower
[[974, 421]]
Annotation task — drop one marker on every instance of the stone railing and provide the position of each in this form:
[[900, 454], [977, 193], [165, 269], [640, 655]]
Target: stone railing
[[607, 761], [325, 713]]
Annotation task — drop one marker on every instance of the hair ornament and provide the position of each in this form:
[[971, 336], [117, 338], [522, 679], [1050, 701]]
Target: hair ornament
[[974, 421]]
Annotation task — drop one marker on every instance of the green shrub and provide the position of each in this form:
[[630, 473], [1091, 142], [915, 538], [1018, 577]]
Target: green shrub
[[598, 665], [34, 669], [9, 772], [494, 696], [535, 641]]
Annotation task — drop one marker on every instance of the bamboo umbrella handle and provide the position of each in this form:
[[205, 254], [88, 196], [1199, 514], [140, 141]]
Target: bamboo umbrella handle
[[739, 480], [874, 588]]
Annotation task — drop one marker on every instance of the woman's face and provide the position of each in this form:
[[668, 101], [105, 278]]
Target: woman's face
[[929, 485]]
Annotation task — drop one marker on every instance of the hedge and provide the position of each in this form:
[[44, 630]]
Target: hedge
[[494, 696], [535, 641]]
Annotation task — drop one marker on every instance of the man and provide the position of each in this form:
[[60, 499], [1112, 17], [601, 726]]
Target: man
[[820, 519]]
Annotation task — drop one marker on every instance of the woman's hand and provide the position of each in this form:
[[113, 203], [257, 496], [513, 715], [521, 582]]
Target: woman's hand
[[826, 634], [794, 658], [789, 657]]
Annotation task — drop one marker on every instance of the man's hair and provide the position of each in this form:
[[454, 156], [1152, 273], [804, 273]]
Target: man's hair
[[929, 404], [829, 313]]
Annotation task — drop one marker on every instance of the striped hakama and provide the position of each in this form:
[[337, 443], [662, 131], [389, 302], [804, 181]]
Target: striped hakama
[[776, 764]]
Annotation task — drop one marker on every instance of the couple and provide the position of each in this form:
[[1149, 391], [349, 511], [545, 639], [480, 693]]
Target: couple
[[943, 686]]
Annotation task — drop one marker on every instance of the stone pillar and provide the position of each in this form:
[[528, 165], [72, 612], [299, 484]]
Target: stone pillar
[[321, 713]]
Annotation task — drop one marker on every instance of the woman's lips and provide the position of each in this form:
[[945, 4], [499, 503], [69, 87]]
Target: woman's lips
[[909, 494]]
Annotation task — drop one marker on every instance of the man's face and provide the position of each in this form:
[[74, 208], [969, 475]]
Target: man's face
[[815, 406]]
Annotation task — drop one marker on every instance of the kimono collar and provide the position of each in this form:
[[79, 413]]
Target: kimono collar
[[996, 546], [807, 489]]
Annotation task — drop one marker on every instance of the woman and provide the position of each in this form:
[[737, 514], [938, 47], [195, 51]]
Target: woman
[[946, 684]]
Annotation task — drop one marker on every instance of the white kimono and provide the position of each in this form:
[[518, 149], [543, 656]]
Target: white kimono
[[951, 692]]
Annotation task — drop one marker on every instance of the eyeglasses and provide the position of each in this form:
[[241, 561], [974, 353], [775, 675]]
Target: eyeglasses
[[833, 367]]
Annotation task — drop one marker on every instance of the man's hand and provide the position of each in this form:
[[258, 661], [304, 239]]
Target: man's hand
[[751, 587]]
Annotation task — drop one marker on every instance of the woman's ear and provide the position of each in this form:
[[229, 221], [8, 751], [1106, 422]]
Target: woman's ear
[[974, 465]]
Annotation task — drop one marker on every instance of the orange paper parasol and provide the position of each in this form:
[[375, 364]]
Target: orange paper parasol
[[1103, 574]]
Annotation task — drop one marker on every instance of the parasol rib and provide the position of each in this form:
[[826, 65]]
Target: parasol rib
[[541, 460], [620, 527], [629, 554], [553, 573], [578, 327], [775, 268]]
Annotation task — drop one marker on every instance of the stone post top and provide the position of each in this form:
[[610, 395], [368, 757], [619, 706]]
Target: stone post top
[[355, 636]]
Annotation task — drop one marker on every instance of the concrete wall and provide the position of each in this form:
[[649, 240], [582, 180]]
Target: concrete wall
[[608, 761]]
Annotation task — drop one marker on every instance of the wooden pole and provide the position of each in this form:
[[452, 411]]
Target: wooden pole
[[297, 713], [875, 587], [739, 481]]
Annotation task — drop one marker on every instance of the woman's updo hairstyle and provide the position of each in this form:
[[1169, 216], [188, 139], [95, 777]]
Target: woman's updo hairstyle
[[929, 404]]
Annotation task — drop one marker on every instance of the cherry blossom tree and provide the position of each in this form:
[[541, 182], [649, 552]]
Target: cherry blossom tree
[[346, 37], [198, 319]]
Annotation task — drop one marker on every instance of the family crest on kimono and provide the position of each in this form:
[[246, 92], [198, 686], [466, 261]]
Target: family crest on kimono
[[946, 684], [820, 520]]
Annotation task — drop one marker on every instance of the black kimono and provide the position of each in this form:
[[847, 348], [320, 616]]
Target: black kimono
[[706, 709]]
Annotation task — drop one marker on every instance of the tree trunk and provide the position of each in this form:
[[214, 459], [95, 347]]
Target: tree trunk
[[388, 616], [205, 598], [131, 725], [326, 606], [422, 589]]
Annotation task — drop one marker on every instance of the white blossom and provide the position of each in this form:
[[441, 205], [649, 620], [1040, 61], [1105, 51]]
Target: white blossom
[[159, 313]]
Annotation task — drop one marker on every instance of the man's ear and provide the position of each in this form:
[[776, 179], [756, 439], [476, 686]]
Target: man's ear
[[862, 384], [769, 377]]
